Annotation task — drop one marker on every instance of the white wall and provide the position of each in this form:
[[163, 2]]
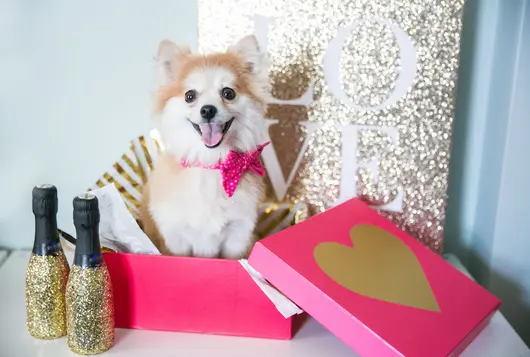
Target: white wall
[[75, 86]]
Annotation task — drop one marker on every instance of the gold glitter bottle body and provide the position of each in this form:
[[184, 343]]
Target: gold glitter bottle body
[[89, 296], [47, 270]]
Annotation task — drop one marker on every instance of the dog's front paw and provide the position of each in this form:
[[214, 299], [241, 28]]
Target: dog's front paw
[[239, 241], [177, 246]]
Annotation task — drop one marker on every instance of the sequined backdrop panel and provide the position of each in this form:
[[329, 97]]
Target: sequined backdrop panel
[[364, 100]]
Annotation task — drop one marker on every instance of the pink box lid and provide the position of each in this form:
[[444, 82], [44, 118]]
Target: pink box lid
[[375, 287]]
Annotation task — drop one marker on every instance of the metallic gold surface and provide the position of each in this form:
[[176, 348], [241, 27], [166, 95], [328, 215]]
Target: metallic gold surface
[[378, 265], [369, 67], [46, 278], [274, 217], [90, 310], [130, 173]]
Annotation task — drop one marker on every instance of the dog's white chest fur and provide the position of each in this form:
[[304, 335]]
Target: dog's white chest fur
[[194, 214]]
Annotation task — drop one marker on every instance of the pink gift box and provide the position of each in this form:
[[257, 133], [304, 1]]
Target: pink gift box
[[209, 296], [376, 288]]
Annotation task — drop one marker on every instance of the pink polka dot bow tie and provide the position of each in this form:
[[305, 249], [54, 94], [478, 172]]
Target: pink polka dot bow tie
[[236, 164]]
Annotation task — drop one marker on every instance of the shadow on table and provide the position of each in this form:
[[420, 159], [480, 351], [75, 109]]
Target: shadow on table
[[514, 306], [121, 336], [298, 322]]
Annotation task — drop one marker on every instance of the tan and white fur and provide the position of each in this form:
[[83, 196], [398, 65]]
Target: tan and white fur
[[185, 211]]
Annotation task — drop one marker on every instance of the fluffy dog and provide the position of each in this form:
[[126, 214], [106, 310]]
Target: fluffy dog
[[209, 107]]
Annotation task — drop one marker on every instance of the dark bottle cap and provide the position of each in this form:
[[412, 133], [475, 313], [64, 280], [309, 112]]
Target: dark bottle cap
[[45, 200], [45, 207], [86, 221]]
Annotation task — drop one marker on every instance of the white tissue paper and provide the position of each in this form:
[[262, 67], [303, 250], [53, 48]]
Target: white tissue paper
[[285, 306], [118, 229]]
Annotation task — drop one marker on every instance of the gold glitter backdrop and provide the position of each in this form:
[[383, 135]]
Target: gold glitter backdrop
[[363, 100]]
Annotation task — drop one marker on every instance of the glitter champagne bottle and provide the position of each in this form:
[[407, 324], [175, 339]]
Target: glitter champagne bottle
[[47, 270], [89, 297]]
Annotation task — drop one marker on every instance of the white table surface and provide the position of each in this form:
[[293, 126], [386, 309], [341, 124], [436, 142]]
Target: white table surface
[[313, 340]]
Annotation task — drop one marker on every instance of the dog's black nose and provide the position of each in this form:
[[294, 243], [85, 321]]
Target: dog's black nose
[[208, 112]]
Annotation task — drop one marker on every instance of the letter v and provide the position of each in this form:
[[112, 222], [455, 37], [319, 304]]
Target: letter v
[[272, 164]]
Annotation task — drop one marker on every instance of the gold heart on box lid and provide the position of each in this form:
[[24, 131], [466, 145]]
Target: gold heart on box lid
[[379, 266]]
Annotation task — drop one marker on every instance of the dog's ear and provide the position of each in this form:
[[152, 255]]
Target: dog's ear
[[255, 59], [169, 59]]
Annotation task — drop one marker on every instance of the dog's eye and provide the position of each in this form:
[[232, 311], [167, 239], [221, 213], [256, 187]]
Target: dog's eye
[[228, 93], [190, 96]]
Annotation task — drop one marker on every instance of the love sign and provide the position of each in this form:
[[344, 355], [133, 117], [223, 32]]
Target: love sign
[[363, 100]]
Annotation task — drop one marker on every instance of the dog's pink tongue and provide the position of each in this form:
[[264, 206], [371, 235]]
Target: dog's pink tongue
[[212, 133]]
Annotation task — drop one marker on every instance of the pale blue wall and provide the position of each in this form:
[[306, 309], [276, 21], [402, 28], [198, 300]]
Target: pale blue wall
[[489, 205], [76, 79]]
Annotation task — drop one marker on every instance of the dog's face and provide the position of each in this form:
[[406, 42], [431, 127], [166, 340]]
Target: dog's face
[[211, 104]]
